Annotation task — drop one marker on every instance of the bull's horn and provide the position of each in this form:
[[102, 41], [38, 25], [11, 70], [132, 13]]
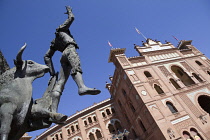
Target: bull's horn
[[19, 55]]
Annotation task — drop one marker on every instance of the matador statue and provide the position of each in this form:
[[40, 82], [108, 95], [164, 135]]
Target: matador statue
[[70, 62]]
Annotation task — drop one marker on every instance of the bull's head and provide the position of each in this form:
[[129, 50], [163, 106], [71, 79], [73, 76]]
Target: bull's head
[[28, 68]]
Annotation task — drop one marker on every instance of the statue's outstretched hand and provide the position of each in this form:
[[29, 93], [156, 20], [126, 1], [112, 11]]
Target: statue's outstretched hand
[[68, 10]]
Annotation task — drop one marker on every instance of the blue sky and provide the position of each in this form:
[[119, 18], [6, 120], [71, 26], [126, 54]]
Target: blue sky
[[96, 22]]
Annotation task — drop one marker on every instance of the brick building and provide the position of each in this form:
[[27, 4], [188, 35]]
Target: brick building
[[163, 93]]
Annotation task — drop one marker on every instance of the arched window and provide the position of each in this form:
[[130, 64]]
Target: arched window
[[171, 107], [197, 77], [61, 136], [90, 120], [158, 89], [113, 110], [187, 135], [72, 128], [108, 112], [118, 125], [103, 114], [132, 107], [183, 76], [204, 102], [85, 122], [77, 127], [147, 74], [98, 134], [142, 126], [56, 137], [199, 63], [91, 136], [94, 118], [68, 131], [174, 83], [195, 134], [111, 128]]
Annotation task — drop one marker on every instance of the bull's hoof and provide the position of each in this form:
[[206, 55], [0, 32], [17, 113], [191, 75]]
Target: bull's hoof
[[88, 91], [58, 118]]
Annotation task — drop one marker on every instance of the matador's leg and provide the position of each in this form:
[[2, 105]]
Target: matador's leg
[[59, 86], [76, 73]]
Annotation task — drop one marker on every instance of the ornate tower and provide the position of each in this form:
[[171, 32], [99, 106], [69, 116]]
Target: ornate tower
[[164, 93]]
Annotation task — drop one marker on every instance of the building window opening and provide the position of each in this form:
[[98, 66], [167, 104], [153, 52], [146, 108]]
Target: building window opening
[[195, 134], [124, 138], [208, 72], [147, 74], [174, 83], [158, 89], [85, 122], [187, 135], [132, 107], [113, 110], [98, 134], [204, 102], [56, 137], [68, 131], [91, 136], [61, 136], [90, 120], [199, 63], [180, 72], [108, 112], [103, 114], [197, 77], [171, 107], [111, 129], [72, 128], [118, 125], [77, 127], [142, 126], [183, 76], [124, 92], [94, 118]]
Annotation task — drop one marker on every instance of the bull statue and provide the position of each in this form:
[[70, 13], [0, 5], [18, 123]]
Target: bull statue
[[18, 111]]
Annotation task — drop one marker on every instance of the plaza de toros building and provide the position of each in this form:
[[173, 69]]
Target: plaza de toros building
[[161, 94]]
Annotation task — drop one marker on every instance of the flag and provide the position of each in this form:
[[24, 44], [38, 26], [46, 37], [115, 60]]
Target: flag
[[140, 33], [175, 38], [137, 31], [110, 44]]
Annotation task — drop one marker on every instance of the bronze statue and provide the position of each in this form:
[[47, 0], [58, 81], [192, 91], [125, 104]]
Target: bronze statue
[[18, 112], [70, 62]]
